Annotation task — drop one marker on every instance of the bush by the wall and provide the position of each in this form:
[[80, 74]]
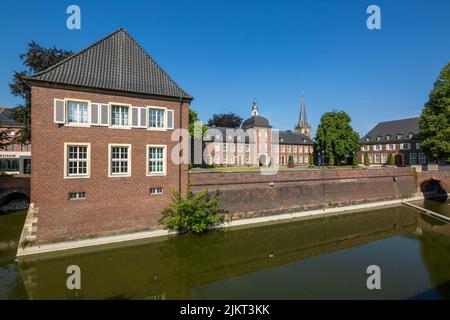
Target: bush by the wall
[[366, 159]]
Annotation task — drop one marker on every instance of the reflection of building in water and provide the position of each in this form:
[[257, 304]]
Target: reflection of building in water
[[173, 268], [14, 157]]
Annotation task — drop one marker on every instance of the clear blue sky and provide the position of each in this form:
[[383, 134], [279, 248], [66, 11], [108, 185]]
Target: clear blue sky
[[225, 53]]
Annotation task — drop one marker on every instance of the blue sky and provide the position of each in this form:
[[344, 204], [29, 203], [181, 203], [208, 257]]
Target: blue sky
[[225, 53]]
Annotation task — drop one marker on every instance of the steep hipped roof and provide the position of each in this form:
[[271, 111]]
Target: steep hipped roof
[[289, 137], [6, 119], [393, 128], [116, 62], [256, 121]]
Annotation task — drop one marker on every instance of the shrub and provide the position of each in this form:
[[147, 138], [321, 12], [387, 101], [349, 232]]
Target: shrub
[[196, 213], [311, 159], [366, 159], [331, 160], [290, 162], [391, 160], [355, 160]]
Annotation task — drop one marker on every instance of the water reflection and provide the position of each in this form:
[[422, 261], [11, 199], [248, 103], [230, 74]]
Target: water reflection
[[316, 258]]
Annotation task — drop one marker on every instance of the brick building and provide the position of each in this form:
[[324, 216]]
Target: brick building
[[15, 158], [102, 126], [256, 143], [397, 137]]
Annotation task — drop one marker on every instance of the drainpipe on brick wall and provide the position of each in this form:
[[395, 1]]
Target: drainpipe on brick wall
[[179, 141]]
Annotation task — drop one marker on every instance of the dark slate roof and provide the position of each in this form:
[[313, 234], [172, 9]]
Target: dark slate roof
[[6, 119], [393, 129], [116, 62], [289, 137], [221, 134], [256, 121]]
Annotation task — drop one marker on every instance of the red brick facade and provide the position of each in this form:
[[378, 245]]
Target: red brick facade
[[112, 204]]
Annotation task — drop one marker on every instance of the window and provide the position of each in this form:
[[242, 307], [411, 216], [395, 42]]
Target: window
[[417, 146], [399, 136], [377, 147], [300, 149], [225, 159], [216, 159], [413, 158], [365, 148], [289, 149], [77, 195], [247, 147], [378, 138], [77, 160], [265, 134], [371, 158], [383, 158], [388, 137], [119, 116], [247, 160], [405, 146], [231, 159], [300, 159], [276, 148], [306, 159], [377, 158], [217, 147], [283, 148], [156, 160], [232, 147], [156, 118], [294, 149], [157, 190], [295, 159], [422, 158], [240, 147], [77, 112], [390, 147], [259, 133], [410, 135], [367, 139], [119, 160], [224, 147], [9, 164]]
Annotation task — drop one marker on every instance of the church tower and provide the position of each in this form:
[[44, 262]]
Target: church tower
[[303, 125]]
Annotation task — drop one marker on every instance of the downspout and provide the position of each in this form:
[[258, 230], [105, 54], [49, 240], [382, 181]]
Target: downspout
[[179, 141]]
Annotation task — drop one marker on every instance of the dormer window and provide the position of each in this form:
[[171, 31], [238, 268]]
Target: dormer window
[[388, 137], [378, 138], [410, 135], [367, 139], [399, 136]]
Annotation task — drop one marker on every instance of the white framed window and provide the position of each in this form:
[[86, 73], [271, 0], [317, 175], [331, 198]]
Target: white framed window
[[225, 159], [77, 195], [247, 159], [294, 149], [365, 148], [120, 115], [367, 139], [217, 147], [156, 118], [247, 147], [119, 160], [77, 160], [422, 158], [232, 159], [295, 159], [216, 159], [370, 158], [399, 136], [377, 158], [240, 147], [383, 158], [390, 147], [300, 159], [156, 190], [413, 158], [232, 147], [306, 159], [410, 135], [77, 112], [388, 137], [259, 133], [283, 148], [417, 146], [156, 160], [224, 147], [378, 138], [265, 134], [405, 146], [288, 148]]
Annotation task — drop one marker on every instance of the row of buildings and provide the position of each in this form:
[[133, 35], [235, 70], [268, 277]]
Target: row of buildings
[[103, 123]]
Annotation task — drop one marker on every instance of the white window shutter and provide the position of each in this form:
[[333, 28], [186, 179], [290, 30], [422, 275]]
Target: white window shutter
[[104, 115], [170, 119], [135, 117], [59, 111], [95, 113], [143, 123]]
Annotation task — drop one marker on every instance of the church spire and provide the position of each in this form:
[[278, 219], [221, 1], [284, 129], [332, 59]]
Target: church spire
[[254, 108], [303, 125]]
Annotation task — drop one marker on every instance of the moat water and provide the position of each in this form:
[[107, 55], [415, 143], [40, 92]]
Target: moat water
[[324, 258]]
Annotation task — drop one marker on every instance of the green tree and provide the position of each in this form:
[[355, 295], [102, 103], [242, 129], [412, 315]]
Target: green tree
[[366, 159], [434, 122], [335, 136], [195, 213], [311, 159], [331, 160], [194, 118], [227, 120], [355, 159], [36, 59], [391, 160]]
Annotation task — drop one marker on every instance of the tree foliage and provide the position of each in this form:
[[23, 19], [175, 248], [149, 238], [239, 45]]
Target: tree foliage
[[36, 59], [335, 136], [391, 160], [196, 213], [227, 120], [366, 159], [434, 122], [193, 119]]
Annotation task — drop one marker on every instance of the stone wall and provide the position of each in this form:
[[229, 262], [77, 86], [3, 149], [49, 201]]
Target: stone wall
[[247, 194]]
